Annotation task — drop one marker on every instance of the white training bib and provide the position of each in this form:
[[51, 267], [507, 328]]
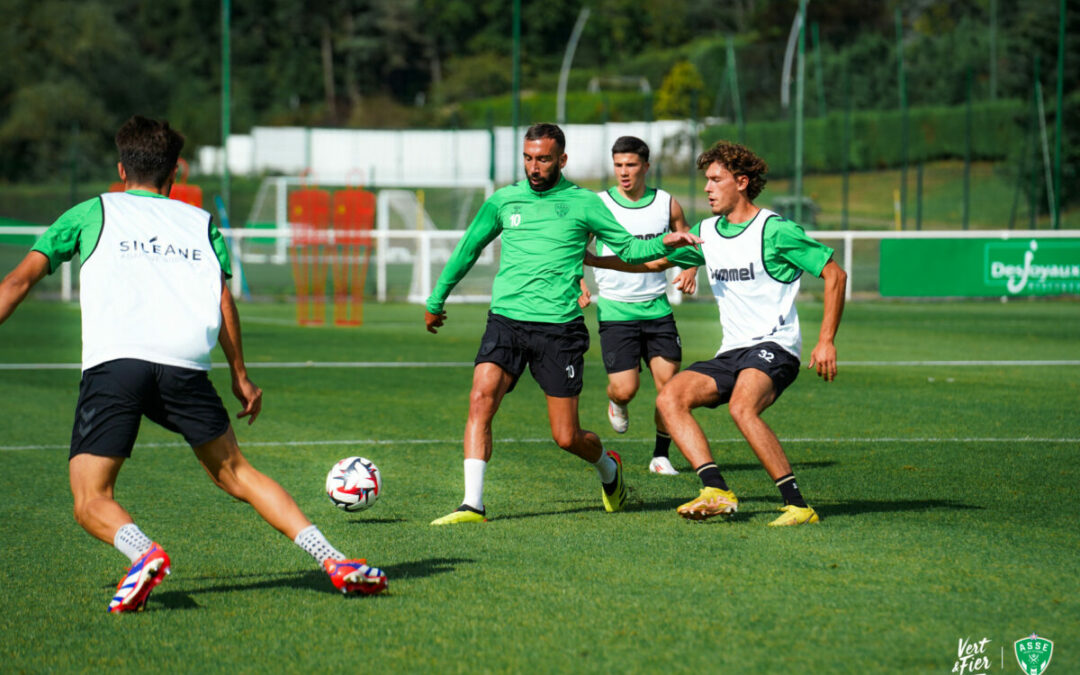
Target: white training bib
[[644, 222], [754, 307], [151, 288]]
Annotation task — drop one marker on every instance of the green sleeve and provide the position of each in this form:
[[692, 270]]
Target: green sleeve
[[481, 232], [792, 247], [221, 249], [76, 231], [689, 256], [625, 245]]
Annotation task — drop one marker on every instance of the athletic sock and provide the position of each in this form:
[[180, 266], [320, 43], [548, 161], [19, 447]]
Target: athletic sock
[[789, 490], [663, 444], [131, 541], [607, 468], [474, 484], [312, 540], [710, 476]]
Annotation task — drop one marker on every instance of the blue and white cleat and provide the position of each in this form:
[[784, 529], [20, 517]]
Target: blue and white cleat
[[141, 578], [355, 576]]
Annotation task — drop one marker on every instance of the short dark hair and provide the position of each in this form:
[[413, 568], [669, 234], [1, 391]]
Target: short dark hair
[[149, 150], [740, 161], [631, 144], [546, 130]]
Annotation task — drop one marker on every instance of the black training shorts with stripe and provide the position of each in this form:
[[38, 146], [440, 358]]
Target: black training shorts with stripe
[[624, 344], [115, 395], [554, 352], [779, 364]]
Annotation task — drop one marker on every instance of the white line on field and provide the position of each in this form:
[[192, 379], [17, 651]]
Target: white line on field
[[511, 441], [466, 364]]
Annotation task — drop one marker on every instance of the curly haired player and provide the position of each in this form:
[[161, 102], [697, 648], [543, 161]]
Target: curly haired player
[[754, 259]]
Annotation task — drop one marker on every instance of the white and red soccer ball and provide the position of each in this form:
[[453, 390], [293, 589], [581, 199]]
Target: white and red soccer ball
[[354, 484]]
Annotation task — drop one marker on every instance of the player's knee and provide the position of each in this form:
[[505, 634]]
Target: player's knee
[[621, 393], [668, 402], [229, 477], [80, 513], [741, 411], [482, 404], [564, 438], [84, 510]]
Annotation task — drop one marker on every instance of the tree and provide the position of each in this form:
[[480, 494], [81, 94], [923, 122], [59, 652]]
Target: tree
[[681, 85]]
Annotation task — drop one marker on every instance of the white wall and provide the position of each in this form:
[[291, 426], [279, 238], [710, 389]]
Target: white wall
[[364, 156]]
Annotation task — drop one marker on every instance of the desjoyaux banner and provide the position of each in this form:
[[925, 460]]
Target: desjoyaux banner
[[979, 267]]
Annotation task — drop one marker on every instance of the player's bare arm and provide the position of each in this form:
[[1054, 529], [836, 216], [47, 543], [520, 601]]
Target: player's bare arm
[[685, 281], [823, 358], [434, 321], [614, 262], [17, 284], [681, 239], [229, 338]]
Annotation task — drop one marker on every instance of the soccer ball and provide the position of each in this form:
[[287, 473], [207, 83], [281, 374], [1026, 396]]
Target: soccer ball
[[354, 484]]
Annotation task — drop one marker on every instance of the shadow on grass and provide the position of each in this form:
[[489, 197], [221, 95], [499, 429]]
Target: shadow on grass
[[756, 466], [772, 503], [591, 505], [375, 521], [314, 580], [558, 512], [858, 507], [424, 568]]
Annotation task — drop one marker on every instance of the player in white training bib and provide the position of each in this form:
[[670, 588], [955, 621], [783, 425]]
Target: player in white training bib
[[635, 318], [154, 302], [754, 259]]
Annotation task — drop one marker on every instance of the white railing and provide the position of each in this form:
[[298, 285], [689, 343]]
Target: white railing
[[423, 239]]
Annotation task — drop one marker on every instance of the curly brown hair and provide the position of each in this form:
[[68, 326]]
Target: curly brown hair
[[740, 161]]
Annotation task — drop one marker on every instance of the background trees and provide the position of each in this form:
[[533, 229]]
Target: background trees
[[76, 69]]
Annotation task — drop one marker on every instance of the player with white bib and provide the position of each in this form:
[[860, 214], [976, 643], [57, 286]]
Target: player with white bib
[[154, 301], [755, 259], [634, 315]]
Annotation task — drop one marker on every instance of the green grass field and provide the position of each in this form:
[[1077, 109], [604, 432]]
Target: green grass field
[[946, 490]]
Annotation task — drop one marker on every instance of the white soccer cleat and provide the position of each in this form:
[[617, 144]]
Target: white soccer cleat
[[662, 466], [619, 417]]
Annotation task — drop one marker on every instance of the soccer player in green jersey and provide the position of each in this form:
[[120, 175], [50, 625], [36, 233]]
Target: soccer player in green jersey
[[755, 259], [635, 318], [535, 320], [154, 301]]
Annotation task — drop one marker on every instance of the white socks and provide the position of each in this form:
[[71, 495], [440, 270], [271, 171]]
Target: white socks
[[606, 467], [313, 541], [131, 541], [474, 483]]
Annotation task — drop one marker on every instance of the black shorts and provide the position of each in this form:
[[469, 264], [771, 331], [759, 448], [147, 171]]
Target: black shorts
[[625, 343], [554, 352], [113, 397], [768, 357]]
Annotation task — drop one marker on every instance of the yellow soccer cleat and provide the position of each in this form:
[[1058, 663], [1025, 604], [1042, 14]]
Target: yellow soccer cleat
[[616, 501], [710, 502], [795, 515], [463, 514]]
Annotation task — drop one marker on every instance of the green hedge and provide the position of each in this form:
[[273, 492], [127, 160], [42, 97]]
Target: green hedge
[[581, 108], [877, 139]]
